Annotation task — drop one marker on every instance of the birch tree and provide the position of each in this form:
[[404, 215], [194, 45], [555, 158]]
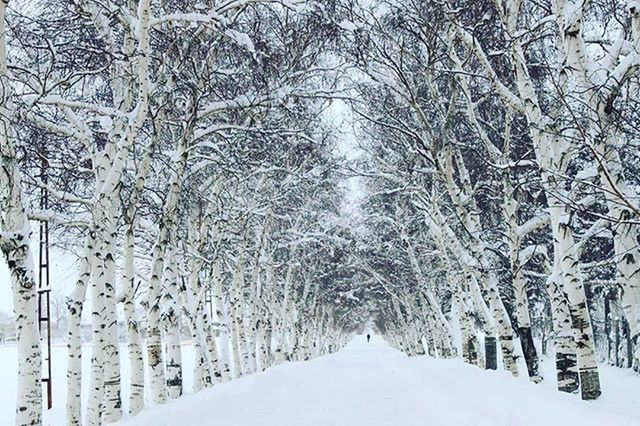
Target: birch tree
[[14, 244]]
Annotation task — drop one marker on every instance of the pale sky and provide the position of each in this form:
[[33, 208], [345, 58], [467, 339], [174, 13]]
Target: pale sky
[[340, 114]]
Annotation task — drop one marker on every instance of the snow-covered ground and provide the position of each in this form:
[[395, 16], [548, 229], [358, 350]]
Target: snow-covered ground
[[57, 415], [369, 384]]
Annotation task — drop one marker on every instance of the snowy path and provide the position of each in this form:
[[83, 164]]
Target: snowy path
[[370, 384]]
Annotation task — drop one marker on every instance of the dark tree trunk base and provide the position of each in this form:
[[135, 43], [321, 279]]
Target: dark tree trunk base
[[491, 353], [470, 352], [590, 385], [568, 380], [530, 354]]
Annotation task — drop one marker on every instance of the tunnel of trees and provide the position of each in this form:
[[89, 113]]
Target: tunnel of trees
[[188, 156]]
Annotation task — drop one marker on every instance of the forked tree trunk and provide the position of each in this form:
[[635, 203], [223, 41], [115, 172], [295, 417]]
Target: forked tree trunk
[[599, 91], [156, 361], [551, 155], [572, 283], [521, 303], [134, 339]]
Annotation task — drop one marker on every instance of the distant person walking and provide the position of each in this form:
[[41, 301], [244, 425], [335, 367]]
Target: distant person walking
[[368, 338]]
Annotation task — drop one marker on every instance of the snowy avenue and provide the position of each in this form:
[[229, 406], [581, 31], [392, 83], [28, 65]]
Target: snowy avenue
[[320, 212], [375, 385]]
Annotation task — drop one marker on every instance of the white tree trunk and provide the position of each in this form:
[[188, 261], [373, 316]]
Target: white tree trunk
[[566, 264], [14, 243], [112, 388], [564, 340], [171, 324], [238, 339], [96, 383], [75, 303], [134, 342], [131, 321], [223, 322], [157, 381]]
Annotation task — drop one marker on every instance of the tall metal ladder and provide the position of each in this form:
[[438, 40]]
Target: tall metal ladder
[[44, 289]]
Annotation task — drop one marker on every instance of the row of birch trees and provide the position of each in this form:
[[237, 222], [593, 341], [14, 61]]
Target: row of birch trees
[[183, 151], [500, 155]]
